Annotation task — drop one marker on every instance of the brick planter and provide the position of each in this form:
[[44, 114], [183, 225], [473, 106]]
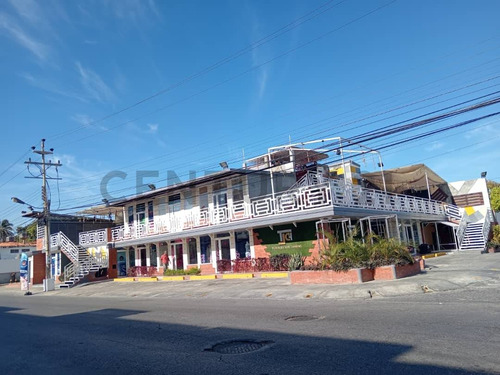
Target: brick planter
[[353, 276], [397, 272]]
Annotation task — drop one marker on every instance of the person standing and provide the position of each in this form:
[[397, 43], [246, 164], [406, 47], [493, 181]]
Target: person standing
[[164, 260]]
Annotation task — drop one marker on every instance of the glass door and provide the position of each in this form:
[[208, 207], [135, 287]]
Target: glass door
[[220, 206], [177, 254], [223, 248]]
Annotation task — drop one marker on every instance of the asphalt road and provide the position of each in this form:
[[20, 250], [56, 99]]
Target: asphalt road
[[455, 332]]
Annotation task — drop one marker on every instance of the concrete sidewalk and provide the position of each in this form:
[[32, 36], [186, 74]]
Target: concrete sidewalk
[[449, 272]]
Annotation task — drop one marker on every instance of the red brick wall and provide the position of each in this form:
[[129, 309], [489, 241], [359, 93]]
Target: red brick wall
[[408, 270], [113, 264], [324, 277], [38, 266], [383, 273], [207, 269]]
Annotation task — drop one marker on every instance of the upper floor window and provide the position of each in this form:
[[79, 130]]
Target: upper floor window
[[189, 199], [150, 211], [237, 186], [140, 210], [130, 211], [174, 203], [203, 194], [14, 251]]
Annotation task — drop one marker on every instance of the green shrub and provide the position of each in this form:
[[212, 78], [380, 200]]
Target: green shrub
[[373, 251], [279, 262], [496, 234], [296, 262], [387, 251], [191, 271]]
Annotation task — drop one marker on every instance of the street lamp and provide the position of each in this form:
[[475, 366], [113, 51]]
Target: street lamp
[[48, 263]]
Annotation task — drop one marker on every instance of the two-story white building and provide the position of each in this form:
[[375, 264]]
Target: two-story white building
[[280, 202]]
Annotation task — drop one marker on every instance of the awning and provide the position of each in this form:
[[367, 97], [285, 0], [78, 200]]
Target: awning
[[449, 223], [401, 179]]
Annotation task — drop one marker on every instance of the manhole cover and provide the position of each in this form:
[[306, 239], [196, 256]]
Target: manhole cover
[[238, 346], [301, 318]]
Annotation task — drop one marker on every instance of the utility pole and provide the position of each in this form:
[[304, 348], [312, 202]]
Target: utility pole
[[43, 167]]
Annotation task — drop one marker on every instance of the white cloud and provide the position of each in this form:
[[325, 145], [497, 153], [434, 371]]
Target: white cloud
[[51, 87], [435, 146], [93, 85], [152, 128], [13, 29], [87, 122], [135, 11]]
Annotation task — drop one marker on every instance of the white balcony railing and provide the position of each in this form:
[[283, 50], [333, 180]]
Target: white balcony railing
[[93, 237], [301, 199], [334, 193], [347, 195]]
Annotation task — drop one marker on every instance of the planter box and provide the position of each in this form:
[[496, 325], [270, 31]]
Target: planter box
[[397, 272], [353, 276]]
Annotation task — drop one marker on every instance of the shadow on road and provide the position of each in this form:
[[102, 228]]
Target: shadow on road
[[116, 341]]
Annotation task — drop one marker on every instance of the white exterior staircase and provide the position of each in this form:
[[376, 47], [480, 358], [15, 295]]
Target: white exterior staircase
[[82, 263], [473, 237]]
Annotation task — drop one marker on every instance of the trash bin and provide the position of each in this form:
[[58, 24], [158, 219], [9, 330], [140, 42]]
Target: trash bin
[[424, 248]]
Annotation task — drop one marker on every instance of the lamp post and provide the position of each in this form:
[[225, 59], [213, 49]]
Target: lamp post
[[48, 282], [380, 162]]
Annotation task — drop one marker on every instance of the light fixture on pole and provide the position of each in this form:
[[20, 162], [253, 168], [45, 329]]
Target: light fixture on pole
[[223, 165], [483, 174], [48, 282]]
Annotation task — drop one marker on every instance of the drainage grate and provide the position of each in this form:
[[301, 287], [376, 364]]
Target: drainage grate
[[238, 346], [301, 318]]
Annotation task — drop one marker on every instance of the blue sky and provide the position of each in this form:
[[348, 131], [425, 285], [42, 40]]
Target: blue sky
[[72, 72]]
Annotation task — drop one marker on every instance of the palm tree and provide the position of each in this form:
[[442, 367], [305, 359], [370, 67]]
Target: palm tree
[[5, 229]]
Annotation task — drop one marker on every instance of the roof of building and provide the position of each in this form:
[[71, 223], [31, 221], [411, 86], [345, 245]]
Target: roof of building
[[17, 244], [220, 175], [398, 180]]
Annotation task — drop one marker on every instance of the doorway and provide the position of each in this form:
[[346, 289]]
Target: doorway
[[143, 256], [122, 263], [177, 254], [223, 248]]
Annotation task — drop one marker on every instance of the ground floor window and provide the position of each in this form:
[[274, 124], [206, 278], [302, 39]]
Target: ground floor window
[[242, 245], [153, 256], [131, 257], [206, 249], [193, 251]]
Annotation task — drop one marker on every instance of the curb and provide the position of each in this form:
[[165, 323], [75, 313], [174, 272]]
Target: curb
[[434, 255]]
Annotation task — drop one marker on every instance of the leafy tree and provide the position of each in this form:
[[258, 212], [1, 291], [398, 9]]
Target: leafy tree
[[31, 231], [27, 232], [495, 198], [5, 229]]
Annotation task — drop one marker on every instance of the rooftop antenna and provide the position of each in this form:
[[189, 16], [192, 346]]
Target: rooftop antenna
[[290, 139]]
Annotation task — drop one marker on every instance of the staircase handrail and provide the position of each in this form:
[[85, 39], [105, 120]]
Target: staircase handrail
[[487, 225], [68, 247], [454, 212], [462, 226], [309, 179]]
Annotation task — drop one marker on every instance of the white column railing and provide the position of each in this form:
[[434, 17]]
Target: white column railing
[[40, 232], [348, 195], [93, 237], [462, 226], [332, 193], [487, 224]]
